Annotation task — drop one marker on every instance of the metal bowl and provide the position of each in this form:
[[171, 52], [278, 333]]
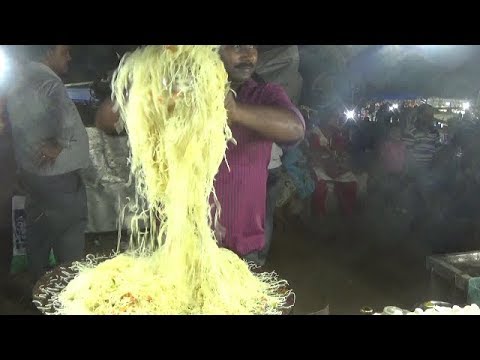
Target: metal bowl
[[49, 285], [54, 281]]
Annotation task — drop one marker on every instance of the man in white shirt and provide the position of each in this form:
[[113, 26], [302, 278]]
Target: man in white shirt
[[276, 160], [274, 168], [51, 148]]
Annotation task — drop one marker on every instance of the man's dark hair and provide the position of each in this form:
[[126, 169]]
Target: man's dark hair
[[38, 52], [101, 87]]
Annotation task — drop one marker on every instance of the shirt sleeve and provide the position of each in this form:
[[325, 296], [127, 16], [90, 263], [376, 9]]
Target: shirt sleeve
[[275, 95], [59, 110]]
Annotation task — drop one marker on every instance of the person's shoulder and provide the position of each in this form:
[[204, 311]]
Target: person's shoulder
[[273, 89], [43, 80], [266, 93], [37, 70], [265, 89]]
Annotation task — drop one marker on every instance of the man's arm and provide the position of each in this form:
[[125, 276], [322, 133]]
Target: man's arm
[[58, 110], [278, 120]]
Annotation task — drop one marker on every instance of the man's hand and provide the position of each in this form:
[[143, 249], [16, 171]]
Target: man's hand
[[231, 106], [220, 232], [48, 153]]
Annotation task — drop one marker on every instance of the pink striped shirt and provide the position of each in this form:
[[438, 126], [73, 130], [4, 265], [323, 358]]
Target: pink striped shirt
[[242, 190]]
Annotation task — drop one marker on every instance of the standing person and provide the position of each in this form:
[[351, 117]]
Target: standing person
[[51, 148], [259, 115], [331, 167], [423, 143], [423, 140]]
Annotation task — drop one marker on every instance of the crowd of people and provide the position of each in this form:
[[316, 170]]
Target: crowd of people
[[395, 155]]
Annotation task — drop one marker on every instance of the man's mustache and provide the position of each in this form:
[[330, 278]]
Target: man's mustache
[[245, 65]]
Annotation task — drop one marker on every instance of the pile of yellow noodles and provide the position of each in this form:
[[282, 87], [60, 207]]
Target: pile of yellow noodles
[[172, 101]]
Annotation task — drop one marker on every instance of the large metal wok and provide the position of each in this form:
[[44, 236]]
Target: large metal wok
[[54, 281]]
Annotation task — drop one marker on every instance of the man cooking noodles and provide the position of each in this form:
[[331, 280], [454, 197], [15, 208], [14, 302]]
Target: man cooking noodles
[[259, 114]]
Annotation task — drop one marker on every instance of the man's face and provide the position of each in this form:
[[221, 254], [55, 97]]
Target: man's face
[[59, 58], [239, 61]]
